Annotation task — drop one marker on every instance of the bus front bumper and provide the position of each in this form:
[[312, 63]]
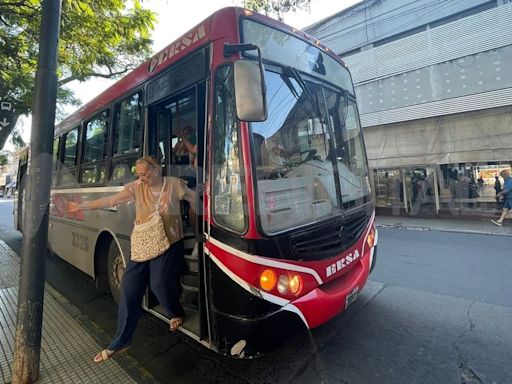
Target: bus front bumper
[[328, 300]]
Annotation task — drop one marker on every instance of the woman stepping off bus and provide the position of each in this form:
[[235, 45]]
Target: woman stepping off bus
[[162, 272]]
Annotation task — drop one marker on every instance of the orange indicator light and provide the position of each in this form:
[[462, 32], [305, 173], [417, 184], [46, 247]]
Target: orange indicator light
[[268, 280], [371, 238]]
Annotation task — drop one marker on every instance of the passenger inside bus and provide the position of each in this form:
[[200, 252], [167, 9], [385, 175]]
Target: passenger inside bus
[[185, 149], [272, 157]]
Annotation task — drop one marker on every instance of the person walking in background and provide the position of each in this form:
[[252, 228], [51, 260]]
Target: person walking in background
[[507, 186], [497, 186], [151, 190]]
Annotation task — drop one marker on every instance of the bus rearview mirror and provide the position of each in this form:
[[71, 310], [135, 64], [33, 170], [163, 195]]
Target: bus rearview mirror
[[251, 104]]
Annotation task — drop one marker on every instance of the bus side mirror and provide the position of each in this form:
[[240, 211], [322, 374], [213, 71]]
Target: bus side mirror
[[250, 94]]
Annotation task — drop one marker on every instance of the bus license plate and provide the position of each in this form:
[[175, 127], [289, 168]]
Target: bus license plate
[[351, 297]]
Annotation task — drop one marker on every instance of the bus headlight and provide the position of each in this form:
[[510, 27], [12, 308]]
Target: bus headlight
[[291, 284], [296, 284], [282, 284], [286, 284]]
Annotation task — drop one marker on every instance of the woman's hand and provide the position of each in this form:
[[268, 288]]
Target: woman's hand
[[72, 207], [180, 133]]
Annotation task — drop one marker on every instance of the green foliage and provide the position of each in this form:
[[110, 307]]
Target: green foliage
[[104, 38], [276, 8], [16, 139], [3, 159]]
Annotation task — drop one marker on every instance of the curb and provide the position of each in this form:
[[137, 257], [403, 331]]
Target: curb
[[438, 229]]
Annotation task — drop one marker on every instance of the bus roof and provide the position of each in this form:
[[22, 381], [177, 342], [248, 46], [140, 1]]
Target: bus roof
[[211, 28]]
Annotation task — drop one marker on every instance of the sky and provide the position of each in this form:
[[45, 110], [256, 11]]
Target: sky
[[175, 18]]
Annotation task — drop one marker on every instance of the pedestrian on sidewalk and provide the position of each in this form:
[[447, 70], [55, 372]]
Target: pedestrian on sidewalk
[[163, 272], [507, 187]]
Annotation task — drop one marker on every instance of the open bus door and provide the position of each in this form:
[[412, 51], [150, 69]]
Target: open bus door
[[185, 110]]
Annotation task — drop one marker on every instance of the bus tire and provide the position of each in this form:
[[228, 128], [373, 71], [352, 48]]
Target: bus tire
[[115, 270]]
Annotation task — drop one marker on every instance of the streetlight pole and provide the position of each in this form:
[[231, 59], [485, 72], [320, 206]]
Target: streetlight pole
[[35, 229]]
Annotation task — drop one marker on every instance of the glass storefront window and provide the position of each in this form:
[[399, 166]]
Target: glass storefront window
[[389, 189], [448, 189]]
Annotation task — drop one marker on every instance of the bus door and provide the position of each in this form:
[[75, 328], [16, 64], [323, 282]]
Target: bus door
[[183, 114]]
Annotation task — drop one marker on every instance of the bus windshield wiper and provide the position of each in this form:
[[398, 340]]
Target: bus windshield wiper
[[290, 71], [293, 90]]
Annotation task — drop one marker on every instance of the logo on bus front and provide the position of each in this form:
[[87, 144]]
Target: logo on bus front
[[342, 263], [182, 44]]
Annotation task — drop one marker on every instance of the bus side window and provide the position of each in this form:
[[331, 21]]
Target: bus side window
[[127, 139], [67, 169], [56, 159], [93, 166]]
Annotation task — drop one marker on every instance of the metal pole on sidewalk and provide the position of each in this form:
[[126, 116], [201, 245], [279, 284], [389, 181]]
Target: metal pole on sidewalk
[[35, 228]]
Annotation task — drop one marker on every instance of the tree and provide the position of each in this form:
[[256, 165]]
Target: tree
[[3, 159], [277, 7], [98, 38]]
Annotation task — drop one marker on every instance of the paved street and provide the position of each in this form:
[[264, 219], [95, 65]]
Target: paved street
[[437, 310]]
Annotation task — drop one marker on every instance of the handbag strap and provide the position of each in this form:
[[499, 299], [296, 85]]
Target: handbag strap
[[157, 206]]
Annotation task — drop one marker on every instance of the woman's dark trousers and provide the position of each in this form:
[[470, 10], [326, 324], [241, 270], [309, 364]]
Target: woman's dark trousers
[[163, 274]]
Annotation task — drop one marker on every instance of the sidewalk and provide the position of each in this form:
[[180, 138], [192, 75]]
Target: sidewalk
[[67, 347], [472, 226]]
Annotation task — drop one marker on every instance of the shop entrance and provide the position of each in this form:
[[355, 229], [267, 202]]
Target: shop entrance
[[420, 185]]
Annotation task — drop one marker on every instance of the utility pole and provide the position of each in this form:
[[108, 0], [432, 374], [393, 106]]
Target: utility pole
[[35, 223]]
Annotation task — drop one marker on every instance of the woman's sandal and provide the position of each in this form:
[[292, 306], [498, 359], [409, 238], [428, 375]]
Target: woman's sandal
[[175, 323], [106, 354]]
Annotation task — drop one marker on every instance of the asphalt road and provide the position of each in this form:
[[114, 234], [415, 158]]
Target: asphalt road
[[437, 310]]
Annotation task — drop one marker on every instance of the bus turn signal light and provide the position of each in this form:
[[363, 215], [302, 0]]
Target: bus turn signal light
[[268, 280], [371, 238]]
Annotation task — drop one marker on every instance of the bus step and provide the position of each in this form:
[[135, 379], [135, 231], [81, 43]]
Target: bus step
[[191, 259], [192, 265], [188, 232], [190, 283], [190, 295], [190, 299], [192, 253], [189, 243]]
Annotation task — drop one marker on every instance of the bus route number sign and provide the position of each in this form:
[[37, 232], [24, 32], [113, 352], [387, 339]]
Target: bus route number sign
[[80, 241]]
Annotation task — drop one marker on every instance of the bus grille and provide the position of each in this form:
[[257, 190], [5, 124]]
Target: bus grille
[[330, 239]]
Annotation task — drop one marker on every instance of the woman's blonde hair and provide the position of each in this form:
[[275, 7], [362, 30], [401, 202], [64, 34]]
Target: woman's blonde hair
[[151, 161]]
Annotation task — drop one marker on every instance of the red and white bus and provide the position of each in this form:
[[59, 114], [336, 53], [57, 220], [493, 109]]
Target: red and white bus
[[286, 233]]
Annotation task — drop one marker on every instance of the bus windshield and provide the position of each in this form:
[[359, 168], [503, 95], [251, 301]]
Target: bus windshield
[[309, 153]]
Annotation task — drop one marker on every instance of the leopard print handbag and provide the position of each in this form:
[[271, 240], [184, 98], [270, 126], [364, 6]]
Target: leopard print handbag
[[148, 240]]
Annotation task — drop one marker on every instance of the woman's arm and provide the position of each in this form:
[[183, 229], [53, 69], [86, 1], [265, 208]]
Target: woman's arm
[[104, 202], [192, 148]]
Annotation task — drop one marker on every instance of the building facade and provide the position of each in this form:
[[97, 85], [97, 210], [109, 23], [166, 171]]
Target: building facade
[[434, 86], [8, 174]]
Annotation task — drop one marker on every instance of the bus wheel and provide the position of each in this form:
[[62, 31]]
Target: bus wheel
[[115, 271]]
